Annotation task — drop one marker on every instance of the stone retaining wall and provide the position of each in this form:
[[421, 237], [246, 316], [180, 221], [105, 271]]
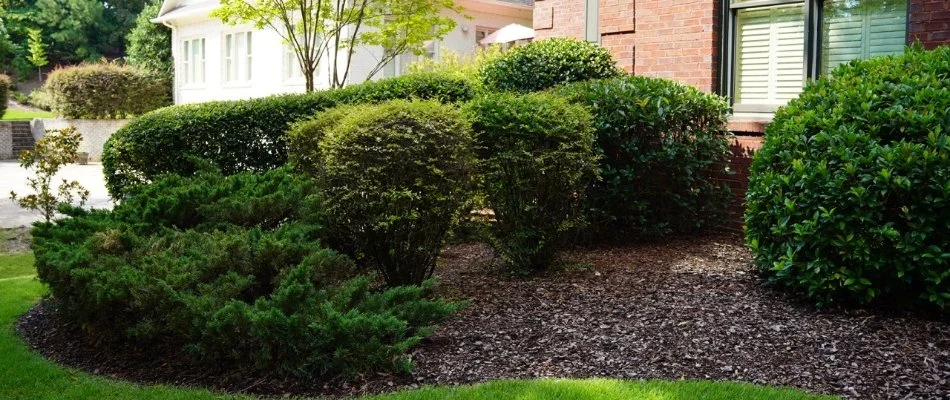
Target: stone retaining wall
[[6, 141], [94, 132]]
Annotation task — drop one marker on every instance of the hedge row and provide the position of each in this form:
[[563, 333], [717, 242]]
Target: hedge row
[[245, 135], [105, 91], [5, 86]]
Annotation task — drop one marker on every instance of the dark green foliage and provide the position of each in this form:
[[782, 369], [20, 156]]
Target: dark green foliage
[[661, 143], [105, 91], [536, 162], [232, 269], [6, 85], [848, 198], [148, 46], [547, 63], [396, 177], [244, 135]]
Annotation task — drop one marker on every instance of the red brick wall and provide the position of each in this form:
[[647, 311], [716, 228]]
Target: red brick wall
[[929, 22], [678, 39]]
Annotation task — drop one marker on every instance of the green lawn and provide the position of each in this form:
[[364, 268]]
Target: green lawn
[[21, 115], [27, 376]]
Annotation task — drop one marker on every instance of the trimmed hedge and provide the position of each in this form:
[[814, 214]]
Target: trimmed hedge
[[548, 63], [105, 91], [232, 269], [5, 86], [245, 135], [536, 162], [661, 145], [849, 197], [396, 178]]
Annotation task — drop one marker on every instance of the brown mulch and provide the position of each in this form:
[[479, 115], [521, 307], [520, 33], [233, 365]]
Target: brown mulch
[[690, 309]]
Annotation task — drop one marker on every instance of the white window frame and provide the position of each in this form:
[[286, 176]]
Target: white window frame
[[193, 69], [237, 62]]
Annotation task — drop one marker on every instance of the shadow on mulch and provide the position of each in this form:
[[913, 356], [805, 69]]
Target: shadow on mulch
[[690, 309]]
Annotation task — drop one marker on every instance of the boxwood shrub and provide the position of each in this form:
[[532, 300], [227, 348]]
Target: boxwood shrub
[[848, 197], [245, 135], [396, 178], [105, 91], [661, 144], [536, 161], [233, 269], [546, 63]]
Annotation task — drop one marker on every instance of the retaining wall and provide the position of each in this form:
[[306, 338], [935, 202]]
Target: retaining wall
[[94, 132]]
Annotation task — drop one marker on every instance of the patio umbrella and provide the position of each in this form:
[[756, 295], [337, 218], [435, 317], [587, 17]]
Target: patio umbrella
[[507, 34]]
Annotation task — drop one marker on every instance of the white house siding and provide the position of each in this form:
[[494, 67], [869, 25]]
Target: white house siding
[[267, 60]]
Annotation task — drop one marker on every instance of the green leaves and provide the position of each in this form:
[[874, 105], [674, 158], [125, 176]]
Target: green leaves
[[547, 63], [866, 143], [105, 90]]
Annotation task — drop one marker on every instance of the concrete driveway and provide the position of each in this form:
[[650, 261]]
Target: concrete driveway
[[12, 177]]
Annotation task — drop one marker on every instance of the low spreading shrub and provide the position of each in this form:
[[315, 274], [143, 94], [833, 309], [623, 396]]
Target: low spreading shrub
[[661, 145], [105, 91], [245, 135], [396, 178], [848, 197], [6, 85], [536, 158], [232, 269], [547, 63]]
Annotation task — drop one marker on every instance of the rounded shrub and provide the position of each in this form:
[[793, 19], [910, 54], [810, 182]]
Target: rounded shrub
[[662, 144], [848, 197], [536, 161], [547, 63], [105, 91], [6, 85], [396, 177], [235, 271], [245, 135]]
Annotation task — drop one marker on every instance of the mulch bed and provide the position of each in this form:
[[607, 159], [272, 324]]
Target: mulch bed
[[690, 309]]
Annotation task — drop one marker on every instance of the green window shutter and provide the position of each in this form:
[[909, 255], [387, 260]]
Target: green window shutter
[[861, 29], [770, 48]]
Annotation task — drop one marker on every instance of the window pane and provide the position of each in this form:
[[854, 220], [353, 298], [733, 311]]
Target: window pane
[[247, 74], [770, 47], [860, 29]]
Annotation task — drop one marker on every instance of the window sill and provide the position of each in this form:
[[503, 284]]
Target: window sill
[[749, 123]]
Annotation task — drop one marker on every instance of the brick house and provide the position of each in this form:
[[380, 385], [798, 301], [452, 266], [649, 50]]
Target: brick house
[[757, 53]]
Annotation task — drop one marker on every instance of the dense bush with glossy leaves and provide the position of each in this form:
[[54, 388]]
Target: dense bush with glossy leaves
[[547, 63], [536, 162], [246, 135], [396, 178], [661, 143], [234, 270], [849, 198]]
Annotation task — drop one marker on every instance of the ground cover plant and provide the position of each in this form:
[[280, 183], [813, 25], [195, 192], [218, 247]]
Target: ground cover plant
[[536, 161], [231, 269], [848, 197], [396, 176], [662, 144], [246, 135]]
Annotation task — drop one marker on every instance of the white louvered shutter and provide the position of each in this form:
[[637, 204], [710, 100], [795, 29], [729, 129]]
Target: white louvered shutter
[[861, 29], [770, 48]]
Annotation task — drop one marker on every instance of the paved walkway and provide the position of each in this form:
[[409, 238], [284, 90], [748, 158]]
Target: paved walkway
[[12, 177]]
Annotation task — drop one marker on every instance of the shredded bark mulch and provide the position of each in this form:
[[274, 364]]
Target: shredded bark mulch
[[691, 309]]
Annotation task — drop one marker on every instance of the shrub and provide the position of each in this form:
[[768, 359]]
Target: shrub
[[396, 178], [56, 149], [245, 135], [848, 197], [233, 269], [536, 162], [661, 144], [104, 91], [6, 85], [547, 63]]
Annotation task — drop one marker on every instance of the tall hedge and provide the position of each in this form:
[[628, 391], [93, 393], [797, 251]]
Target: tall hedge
[[105, 91], [246, 135], [5, 85], [548, 63], [849, 197], [661, 144]]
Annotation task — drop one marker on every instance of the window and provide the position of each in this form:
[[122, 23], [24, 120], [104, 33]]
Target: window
[[400, 64], [237, 56], [292, 70], [193, 61], [482, 32], [771, 47]]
